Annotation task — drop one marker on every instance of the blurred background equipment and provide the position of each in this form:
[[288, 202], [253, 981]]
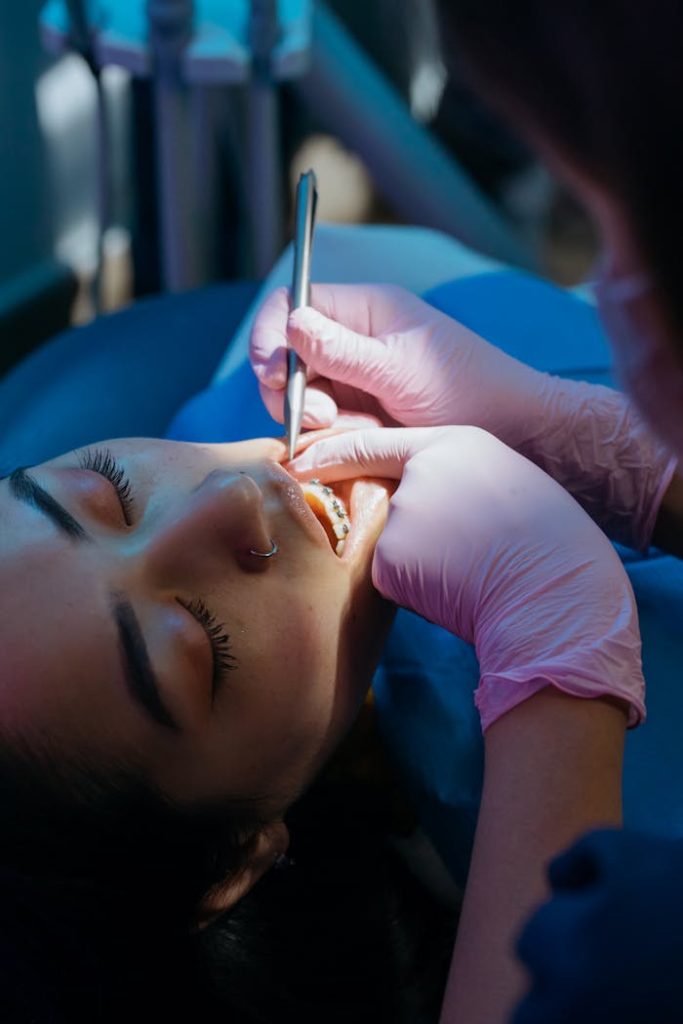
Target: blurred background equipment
[[158, 145], [188, 49]]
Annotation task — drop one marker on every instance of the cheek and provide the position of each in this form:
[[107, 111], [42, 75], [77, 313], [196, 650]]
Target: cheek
[[294, 636], [277, 717], [291, 662]]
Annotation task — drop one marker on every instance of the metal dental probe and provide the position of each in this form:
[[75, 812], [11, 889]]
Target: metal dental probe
[[306, 202]]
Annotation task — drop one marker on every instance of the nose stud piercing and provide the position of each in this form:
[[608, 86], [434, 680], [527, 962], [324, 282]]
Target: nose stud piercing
[[268, 554]]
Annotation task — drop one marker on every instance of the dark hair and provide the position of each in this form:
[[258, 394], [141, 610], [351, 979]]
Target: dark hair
[[99, 881], [345, 934], [601, 83]]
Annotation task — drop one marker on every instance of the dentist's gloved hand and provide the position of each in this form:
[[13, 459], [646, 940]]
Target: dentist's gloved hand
[[483, 543], [607, 947], [379, 355]]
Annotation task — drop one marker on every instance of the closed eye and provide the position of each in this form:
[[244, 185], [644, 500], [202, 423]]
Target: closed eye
[[101, 460], [223, 660]]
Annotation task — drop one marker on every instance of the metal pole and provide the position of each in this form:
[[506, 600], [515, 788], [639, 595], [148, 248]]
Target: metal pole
[[264, 161], [410, 167], [204, 116], [104, 187], [170, 23], [82, 40], [79, 31]]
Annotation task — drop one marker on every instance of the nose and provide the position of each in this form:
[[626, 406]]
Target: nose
[[217, 524]]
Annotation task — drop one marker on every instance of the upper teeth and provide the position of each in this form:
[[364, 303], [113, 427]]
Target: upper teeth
[[336, 514]]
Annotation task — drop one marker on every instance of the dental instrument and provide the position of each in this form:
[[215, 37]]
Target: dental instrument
[[306, 202]]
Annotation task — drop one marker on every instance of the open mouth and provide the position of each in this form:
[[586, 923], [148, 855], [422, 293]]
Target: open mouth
[[350, 513], [330, 511]]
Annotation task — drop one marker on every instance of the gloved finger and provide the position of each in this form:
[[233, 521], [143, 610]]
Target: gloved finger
[[353, 305], [273, 372], [274, 402], [270, 334], [268, 339], [320, 409], [357, 453], [313, 436], [347, 419], [334, 351], [359, 306]]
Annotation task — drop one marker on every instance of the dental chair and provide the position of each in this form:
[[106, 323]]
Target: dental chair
[[138, 373]]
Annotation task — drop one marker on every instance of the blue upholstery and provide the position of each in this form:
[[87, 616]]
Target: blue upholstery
[[123, 375]]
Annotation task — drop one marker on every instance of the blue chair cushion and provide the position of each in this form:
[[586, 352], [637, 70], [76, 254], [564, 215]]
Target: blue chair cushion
[[123, 375]]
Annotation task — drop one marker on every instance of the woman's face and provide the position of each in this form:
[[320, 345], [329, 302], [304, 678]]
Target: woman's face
[[138, 629]]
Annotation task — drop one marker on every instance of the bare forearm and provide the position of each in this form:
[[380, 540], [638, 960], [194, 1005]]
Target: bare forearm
[[553, 771]]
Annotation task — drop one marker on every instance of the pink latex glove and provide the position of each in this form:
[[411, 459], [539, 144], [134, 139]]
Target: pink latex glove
[[386, 357], [483, 543]]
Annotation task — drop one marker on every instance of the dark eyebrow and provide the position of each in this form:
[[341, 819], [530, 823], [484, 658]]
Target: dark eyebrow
[[26, 489], [140, 677], [141, 680]]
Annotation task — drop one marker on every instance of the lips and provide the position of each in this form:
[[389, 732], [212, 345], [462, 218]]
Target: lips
[[292, 495], [366, 500]]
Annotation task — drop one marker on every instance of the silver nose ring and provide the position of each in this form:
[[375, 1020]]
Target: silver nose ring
[[267, 554]]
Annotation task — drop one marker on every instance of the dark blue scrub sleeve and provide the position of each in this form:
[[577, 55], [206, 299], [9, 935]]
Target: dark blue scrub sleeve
[[608, 947]]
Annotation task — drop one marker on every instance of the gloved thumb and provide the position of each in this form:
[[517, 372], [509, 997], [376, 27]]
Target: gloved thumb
[[381, 452], [338, 353]]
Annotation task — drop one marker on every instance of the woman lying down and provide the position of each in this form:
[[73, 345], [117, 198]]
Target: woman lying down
[[187, 635], [186, 638]]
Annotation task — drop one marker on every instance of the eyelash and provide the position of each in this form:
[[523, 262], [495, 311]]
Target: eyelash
[[223, 660], [101, 460]]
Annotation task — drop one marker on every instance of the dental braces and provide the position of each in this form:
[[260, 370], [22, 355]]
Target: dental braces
[[323, 500]]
